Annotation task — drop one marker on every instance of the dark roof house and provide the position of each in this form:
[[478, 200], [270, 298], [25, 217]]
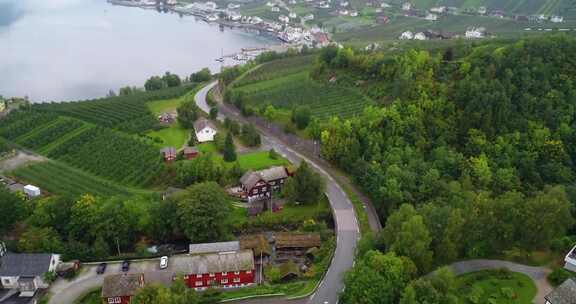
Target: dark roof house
[[26, 264], [563, 294]]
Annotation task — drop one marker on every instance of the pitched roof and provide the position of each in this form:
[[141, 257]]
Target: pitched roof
[[25, 264], [202, 123], [564, 294], [120, 285], [170, 150], [214, 247], [188, 150], [297, 240], [274, 173], [250, 179], [257, 243], [217, 262]]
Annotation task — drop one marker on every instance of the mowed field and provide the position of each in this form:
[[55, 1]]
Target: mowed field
[[286, 86]]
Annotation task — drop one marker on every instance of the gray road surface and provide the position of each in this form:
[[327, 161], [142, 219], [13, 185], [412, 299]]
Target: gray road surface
[[346, 224]]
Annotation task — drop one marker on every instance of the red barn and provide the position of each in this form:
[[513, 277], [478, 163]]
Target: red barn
[[119, 288], [190, 152], [219, 270], [168, 153]]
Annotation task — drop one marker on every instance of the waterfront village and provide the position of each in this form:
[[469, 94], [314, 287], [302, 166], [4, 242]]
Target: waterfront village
[[280, 18]]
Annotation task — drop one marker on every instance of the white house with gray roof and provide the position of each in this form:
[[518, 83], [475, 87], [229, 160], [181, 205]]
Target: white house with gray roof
[[205, 130], [23, 272]]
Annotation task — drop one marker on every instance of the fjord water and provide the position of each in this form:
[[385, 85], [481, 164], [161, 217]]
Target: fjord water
[[54, 50]]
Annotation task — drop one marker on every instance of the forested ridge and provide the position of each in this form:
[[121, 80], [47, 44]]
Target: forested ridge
[[478, 142]]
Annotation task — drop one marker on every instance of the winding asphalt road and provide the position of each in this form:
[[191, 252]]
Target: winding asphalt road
[[347, 227]]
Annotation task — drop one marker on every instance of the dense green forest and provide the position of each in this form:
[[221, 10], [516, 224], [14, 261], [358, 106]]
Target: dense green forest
[[473, 157]]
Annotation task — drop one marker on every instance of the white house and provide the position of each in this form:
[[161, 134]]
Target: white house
[[406, 6], [32, 191], [482, 10], [353, 13], [475, 33], [438, 9], [384, 5], [407, 35], [234, 16], [570, 260], [211, 5], [205, 130], [431, 17], [270, 4], [420, 36], [557, 19], [308, 17], [284, 19], [275, 9], [23, 272], [292, 15]]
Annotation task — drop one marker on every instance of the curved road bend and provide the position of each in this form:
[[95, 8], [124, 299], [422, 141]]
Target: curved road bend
[[346, 224]]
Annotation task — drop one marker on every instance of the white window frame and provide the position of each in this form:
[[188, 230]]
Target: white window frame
[[248, 271], [198, 276], [224, 281], [212, 275], [224, 273], [255, 191], [236, 280], [199, 283]]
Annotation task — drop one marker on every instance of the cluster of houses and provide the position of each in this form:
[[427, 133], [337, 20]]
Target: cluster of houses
[[470, 33], [204, 131], [222, 265]]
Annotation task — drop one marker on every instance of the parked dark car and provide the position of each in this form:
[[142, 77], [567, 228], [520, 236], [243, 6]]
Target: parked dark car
[[101, 268], [125, 265]]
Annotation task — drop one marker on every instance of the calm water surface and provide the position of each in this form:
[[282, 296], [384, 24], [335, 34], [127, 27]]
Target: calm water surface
[[78, 49]]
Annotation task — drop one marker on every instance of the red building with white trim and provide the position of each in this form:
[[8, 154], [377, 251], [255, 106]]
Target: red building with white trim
[[219, 270]]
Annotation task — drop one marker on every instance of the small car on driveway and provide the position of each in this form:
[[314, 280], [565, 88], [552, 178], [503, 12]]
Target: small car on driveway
[[125, 266], [101, 268], [164, 262]]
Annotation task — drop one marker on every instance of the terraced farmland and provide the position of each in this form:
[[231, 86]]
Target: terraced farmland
[[298, 89], [277, 68], [127, 113], [58, 178], [47, 134], [111, 155]]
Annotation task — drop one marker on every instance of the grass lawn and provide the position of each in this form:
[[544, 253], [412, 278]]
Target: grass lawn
[[90, 298], [207, 147], [290, 215], [260, 160], [293, 289], [496, 287], [174, 136], [168, 105]]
